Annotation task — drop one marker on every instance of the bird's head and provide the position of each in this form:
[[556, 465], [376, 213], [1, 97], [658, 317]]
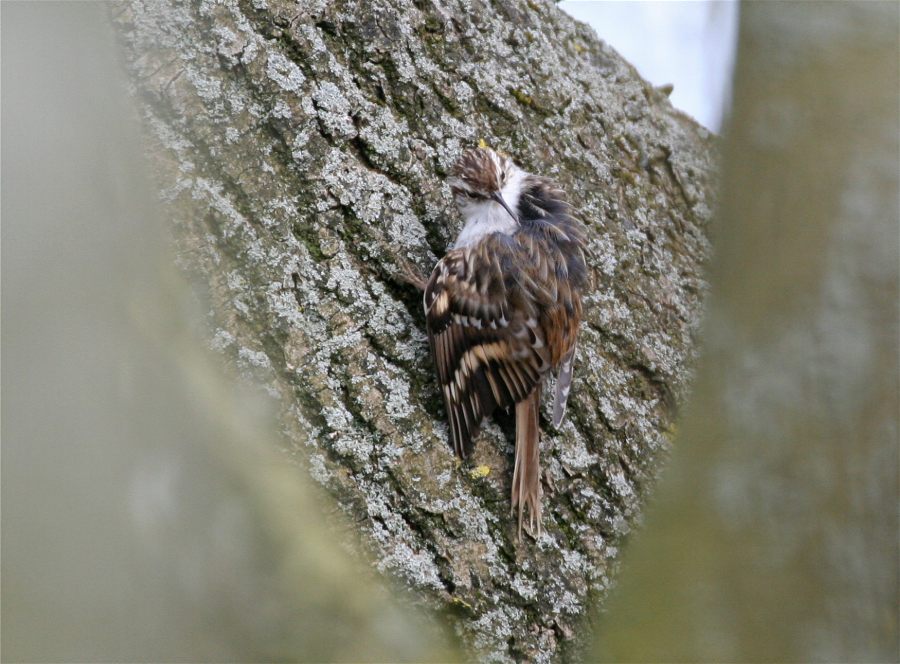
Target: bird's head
[[482, 179]]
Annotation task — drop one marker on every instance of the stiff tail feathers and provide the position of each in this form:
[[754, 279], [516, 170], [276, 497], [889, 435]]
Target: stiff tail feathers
[[526, 484]]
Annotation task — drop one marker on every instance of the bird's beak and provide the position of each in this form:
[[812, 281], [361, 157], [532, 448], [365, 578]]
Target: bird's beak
[[499, 199]]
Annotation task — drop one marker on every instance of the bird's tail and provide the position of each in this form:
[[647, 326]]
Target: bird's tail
[[526, 484]]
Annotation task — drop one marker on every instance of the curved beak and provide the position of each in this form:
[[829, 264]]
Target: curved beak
[[496, 197]]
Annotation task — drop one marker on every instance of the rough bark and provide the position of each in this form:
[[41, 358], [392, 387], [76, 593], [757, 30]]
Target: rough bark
[[302, 149]]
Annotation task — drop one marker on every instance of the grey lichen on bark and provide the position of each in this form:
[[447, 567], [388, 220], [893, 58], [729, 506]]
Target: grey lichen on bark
[[301, 151]]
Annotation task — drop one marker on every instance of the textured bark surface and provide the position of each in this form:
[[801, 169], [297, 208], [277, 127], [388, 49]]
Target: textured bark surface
[[302, 152]]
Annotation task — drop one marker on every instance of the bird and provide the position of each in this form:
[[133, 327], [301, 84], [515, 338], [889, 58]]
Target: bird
[[503, 309]]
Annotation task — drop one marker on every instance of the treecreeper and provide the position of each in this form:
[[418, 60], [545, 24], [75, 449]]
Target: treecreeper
[[503, 308]]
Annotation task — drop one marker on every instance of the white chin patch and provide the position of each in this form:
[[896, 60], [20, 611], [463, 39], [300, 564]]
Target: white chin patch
[[485, 217]]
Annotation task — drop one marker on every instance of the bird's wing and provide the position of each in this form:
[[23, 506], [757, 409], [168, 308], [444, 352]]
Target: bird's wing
[[485, 336], [563, 385], [544, 207]]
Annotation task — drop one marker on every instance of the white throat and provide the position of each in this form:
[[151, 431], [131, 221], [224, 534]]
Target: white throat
[[483, 218]]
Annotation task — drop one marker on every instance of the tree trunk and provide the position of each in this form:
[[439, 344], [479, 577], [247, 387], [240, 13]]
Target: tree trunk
[[302, 152]]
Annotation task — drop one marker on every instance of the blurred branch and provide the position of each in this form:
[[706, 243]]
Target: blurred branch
[[775, 535], [147, 514]]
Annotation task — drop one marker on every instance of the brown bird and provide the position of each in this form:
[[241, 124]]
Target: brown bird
[[503, 308]]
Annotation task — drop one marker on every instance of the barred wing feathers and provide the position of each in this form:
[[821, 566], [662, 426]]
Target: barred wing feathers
[[485, 334]]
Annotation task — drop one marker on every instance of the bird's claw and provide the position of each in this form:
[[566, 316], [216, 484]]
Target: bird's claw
[[409, 274]]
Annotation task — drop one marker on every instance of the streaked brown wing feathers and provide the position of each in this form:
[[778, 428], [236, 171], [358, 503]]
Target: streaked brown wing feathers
[[485, 339]]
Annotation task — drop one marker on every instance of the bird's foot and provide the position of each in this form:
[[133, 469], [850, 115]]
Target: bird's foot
[[409, 274]]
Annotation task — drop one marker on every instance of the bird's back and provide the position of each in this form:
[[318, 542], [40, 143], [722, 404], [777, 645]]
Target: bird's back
[[504, 311]]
